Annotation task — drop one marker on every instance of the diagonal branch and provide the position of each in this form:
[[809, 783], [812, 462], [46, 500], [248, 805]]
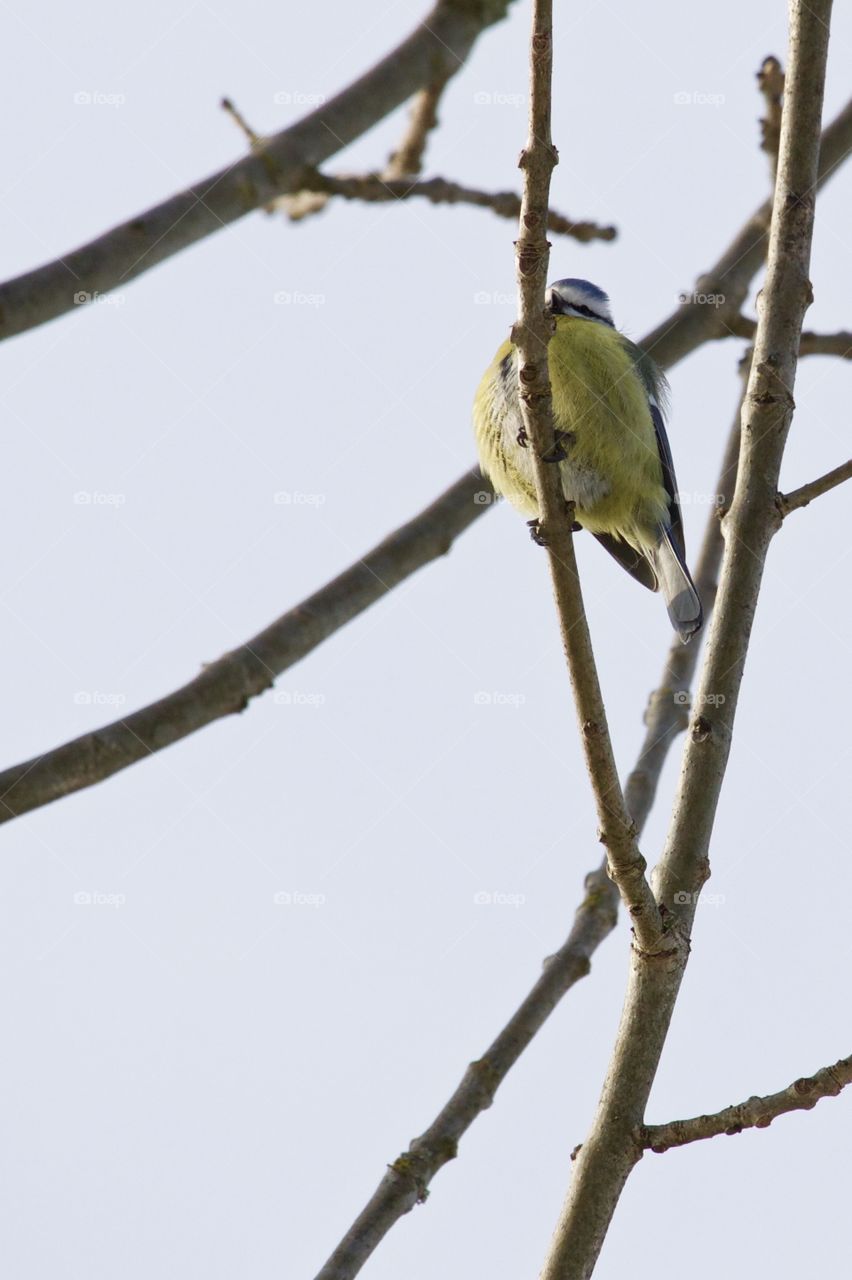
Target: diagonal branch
[[226, 686], [134, 247], [788, 502], [407, 160], [606, 1159], [754, 1113], [730, 277], [406, 1181], [437, 47], [95, 756]]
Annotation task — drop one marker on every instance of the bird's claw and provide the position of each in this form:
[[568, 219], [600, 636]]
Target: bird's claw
[[556, 452], [537, 533]]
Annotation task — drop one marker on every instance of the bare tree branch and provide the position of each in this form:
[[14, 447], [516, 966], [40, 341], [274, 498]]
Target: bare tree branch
[[729, 279], [406, 1181], [788, 502], [611, 1151], [531, 336], [810, 344], [395, 183], [375, 188], [133, 247], [407, 160], [95, 756], [754, 1113], [770, 80], [227, 685], [438, 47]]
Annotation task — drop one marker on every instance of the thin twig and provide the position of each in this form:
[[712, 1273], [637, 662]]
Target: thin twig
[[133, 247], [810, 344], [754, 1113], [407, 160], [391, 185], [375, 188], [788, 502], [439, 44], [720, 293], [611, 1151]]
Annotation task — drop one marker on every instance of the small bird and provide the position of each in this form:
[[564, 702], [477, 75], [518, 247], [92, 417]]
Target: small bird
[[611, 445]]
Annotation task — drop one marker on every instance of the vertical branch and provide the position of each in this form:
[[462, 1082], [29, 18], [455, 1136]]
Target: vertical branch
[[531, 335], [770, 81], [614, 1145]]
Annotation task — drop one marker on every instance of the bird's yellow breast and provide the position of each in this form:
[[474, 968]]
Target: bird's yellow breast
[[612, 471]]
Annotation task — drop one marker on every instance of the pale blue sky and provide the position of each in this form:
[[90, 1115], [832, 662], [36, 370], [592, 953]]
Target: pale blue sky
[[200, 1080]]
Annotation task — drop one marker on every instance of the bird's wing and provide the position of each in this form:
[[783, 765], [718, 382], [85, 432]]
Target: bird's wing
[[669, 479], [657, 389], [630, 559]]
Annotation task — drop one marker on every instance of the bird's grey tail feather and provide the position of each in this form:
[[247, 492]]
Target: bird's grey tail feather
[[681, 598]]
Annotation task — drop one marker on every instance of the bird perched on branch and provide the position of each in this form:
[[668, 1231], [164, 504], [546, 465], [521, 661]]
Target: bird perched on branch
[[611, 445]]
